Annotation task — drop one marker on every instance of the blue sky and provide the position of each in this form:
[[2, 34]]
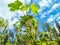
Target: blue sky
[[49, 11]]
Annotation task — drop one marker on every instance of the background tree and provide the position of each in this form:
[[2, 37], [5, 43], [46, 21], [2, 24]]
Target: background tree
[[3, 31]]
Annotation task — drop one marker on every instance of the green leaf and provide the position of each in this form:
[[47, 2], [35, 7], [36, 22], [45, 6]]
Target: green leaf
[[15, 6], [24, 7], [44, 43], [35, 22], [1, 21], [12, 9], [11, 5], [34, 8], [7, 43]]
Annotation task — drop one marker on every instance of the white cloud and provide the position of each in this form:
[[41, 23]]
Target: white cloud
[[42, 16], [58, 18], [13, 22], [47, 3], [27, 1], [10, 1], [59, 22], [54, 17], [4, 10], [44, 3], [50, 19], [57, 15], [22, 1], [53, 7]]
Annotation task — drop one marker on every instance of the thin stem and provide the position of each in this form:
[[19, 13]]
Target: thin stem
[[22, 12]]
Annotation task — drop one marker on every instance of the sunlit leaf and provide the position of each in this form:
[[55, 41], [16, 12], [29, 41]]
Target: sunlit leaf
[[1, 21], [44, 43], [7, 43], [35, 22], [24, 7], [34, 8], [15, 6]]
